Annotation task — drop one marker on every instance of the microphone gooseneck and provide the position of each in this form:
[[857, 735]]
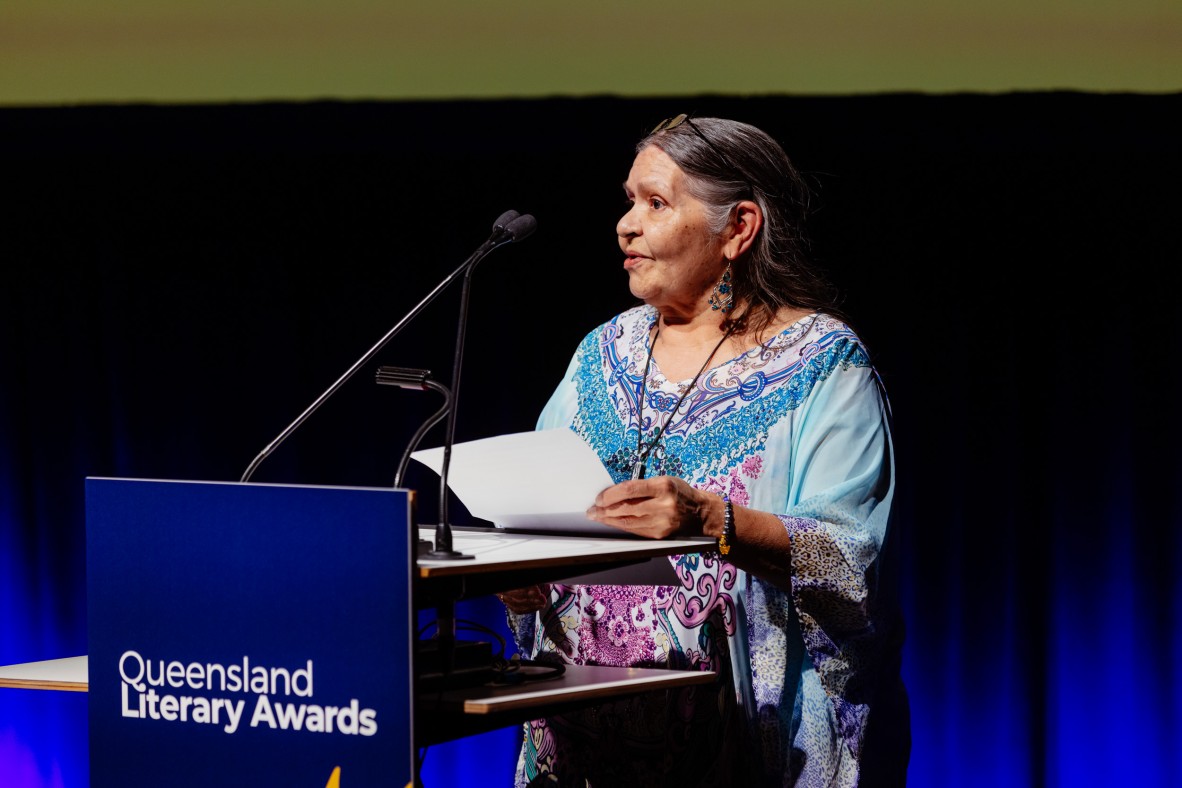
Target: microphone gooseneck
[[517, 229], [507, 228]]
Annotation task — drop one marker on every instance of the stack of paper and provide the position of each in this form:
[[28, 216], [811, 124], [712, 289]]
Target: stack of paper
[[540, 480]]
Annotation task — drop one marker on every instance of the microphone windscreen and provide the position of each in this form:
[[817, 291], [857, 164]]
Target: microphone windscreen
[[521, 227], [503, 221]]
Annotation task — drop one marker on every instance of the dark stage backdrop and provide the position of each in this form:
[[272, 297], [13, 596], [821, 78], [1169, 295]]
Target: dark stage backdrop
[[180, 282]]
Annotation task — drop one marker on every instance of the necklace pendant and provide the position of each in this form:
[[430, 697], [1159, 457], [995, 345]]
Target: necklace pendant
[[638, 470]]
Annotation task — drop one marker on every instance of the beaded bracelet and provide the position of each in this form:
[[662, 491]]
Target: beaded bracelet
[[728, 527]]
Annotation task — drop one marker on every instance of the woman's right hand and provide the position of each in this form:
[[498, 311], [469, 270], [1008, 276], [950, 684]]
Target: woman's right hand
[[526, 600]]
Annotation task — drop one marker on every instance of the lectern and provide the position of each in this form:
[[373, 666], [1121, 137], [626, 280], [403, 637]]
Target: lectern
[[248, 634], [255, 634]]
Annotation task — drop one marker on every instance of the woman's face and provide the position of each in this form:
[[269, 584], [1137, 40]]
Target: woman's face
[[672, 259]]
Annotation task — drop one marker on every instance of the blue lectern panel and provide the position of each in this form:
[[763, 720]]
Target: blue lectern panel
[[248, 634]]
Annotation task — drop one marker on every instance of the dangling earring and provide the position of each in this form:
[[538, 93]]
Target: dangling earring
[[722, 298]]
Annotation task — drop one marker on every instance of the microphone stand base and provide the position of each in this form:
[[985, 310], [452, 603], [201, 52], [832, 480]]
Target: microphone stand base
[[445, 555], [443, 551]]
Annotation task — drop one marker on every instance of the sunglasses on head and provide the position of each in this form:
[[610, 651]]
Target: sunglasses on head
[[677, 120]]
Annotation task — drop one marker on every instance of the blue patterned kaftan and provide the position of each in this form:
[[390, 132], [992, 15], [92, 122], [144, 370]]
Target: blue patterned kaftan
[[797, 427]]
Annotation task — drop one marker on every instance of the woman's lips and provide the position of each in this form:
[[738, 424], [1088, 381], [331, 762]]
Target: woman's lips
[[632, 260]]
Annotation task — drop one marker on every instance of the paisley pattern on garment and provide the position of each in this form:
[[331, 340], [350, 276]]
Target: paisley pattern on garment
[[791, 661]]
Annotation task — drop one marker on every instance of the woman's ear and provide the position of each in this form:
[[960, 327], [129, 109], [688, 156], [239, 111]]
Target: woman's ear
[[743, 229]]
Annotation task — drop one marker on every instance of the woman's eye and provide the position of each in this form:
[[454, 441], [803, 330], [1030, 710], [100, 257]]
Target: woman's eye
[[656, 203]]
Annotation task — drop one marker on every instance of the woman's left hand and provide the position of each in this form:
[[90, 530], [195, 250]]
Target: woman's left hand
[[656, 508]]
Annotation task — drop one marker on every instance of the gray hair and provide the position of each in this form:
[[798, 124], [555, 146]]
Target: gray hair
[[727, 161]]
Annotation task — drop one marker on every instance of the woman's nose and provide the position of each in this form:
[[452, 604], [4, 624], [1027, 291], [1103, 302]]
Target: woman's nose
[[627, 225]]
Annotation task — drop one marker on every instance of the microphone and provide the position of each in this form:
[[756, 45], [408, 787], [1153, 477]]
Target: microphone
[[521, 227], [508, 227], [516, 229], [502, 221], [407, 378]]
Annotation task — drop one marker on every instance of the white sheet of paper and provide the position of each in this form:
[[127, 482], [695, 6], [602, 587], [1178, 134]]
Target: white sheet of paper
[[543, 479]]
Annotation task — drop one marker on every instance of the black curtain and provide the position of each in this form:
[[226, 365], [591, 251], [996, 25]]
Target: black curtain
[[182, 281]]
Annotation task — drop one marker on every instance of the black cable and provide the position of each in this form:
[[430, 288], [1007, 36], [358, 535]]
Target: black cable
[[506, 671], [509, 672], [465, 625]]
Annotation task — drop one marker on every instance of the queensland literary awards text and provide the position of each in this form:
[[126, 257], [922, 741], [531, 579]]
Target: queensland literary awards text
[[281, 696]]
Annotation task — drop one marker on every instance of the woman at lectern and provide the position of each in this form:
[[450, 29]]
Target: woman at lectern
[[735, 402]]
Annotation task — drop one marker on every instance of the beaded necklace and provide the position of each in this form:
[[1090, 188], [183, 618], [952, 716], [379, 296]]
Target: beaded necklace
[[638, 469]]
